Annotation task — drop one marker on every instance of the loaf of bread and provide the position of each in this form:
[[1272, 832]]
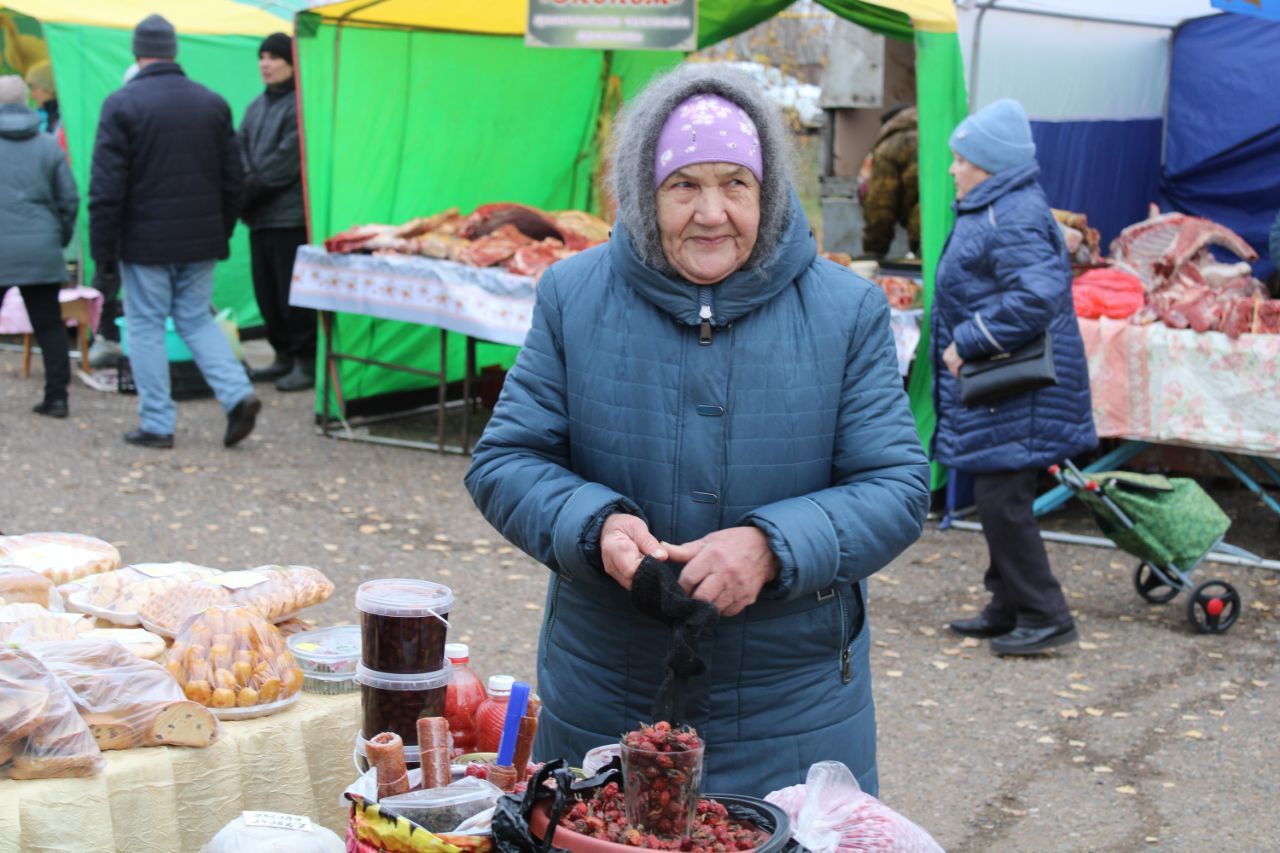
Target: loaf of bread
[[231, 658], [41, 733], [126, 702], [61, 557]]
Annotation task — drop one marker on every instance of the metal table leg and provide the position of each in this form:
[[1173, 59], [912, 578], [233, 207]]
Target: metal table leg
[[1239, 474]]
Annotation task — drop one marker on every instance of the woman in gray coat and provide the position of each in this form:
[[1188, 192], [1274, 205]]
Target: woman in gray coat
[[705, 390], [38, 203]]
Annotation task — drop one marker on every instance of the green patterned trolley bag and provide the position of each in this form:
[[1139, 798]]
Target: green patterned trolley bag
[[1175, 523]]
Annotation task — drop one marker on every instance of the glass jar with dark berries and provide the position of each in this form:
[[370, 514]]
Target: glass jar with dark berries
[[662, 773]]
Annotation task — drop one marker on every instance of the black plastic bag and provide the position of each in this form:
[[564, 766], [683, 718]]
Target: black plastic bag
[[511, 831]]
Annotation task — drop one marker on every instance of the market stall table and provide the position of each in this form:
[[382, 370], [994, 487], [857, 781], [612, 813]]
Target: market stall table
[[1153, 384], [167, 799], [489, 304]]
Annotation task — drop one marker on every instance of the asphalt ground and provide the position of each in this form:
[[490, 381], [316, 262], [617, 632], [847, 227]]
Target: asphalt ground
[[1142, 735]]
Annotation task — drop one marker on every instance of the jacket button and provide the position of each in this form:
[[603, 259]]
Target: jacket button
[[705, 497], [710, 411]]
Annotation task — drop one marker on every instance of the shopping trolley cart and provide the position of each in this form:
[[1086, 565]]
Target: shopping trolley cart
[[1169, 524]]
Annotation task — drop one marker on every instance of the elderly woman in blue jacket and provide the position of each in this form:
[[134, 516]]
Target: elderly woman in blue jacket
[[1003, 280], [705, 390]]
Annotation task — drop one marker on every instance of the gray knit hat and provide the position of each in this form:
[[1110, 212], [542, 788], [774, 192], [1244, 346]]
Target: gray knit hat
[[635, 142], [13, 90], [155, 38]]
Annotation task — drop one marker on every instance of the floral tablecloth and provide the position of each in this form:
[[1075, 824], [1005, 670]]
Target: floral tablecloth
[[490, 304], [1177, 386]]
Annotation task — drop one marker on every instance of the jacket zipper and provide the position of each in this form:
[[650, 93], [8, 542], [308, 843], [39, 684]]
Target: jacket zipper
[[551, 615], [704, 314], [846, 658]]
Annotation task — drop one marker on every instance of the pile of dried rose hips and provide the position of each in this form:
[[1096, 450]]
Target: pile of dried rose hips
[[604, 817]]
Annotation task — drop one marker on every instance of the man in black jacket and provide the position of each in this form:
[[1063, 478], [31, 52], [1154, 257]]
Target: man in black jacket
[[274, 212], [163, 198]]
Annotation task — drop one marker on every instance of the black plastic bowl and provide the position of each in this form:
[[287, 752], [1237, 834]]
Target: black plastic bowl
[[763, 814]]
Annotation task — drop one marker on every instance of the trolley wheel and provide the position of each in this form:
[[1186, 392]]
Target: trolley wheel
[[1151, 586], [1213, 607]]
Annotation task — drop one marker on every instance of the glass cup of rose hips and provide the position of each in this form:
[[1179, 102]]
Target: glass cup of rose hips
[[662, 771]]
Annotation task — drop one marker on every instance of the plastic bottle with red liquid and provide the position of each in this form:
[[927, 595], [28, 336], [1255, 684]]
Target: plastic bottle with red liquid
[[465, 696], [492, 713]]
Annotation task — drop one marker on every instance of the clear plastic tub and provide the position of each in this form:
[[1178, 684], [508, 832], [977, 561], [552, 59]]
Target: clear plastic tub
[[403, 624], [393, 702], [328, 658]]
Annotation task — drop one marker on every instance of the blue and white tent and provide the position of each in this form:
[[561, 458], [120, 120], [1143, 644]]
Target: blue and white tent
[[1167, 101]]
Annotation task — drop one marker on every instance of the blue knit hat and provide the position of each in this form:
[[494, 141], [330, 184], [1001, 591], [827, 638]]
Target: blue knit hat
[[996, 138]]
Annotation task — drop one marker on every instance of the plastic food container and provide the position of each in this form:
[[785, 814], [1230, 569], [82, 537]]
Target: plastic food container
[[393, 702], [328, 658], [403, 624]]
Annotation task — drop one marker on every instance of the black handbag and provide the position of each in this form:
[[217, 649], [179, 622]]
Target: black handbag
[[1007, 374]]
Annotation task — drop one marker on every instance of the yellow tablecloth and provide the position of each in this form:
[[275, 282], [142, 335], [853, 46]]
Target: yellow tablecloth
[[167, 799]]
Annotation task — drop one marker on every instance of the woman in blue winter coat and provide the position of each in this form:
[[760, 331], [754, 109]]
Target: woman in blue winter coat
[[705, 390], [1003, 280], [38, 202]]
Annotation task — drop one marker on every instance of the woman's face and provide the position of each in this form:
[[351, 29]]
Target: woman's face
[[966, 174], [709, 218]]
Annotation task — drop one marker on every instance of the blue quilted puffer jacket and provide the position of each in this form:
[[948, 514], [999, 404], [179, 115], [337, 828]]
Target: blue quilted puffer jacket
[[792, 419], [1004, 278]]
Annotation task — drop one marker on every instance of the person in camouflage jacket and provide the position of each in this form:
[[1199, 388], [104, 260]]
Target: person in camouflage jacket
[[893, 194]]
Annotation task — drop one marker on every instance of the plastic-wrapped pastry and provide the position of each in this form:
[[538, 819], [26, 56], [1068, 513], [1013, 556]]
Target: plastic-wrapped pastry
[[230, 659], [61, 557], [41, 733], [118, 596]]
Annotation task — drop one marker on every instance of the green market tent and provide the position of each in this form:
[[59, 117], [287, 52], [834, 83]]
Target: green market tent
[[90, 46], [414, 106]]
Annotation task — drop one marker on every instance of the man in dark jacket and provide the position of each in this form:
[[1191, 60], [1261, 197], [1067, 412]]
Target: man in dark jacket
[[163, 198], [273, 211], [38, 202]]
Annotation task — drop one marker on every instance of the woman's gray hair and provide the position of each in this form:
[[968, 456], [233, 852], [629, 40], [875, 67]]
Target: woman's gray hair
[[635, 142], [13, 89]]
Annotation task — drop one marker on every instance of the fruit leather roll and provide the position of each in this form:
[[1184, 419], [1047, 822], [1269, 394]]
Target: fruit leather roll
[[524, 745], [434, 742], [386, 753]]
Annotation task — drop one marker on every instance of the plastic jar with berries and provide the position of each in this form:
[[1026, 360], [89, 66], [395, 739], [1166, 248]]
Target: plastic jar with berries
[[465, 696]]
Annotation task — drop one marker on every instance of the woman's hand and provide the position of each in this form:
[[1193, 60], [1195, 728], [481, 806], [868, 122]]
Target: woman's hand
[[624, 541], [953, 360], [727, 568]]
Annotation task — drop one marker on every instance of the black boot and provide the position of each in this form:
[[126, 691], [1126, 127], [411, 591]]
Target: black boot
[[142, 438], [240, 420], [299, 379], [1033, 641], [51, 408], [278, 368]]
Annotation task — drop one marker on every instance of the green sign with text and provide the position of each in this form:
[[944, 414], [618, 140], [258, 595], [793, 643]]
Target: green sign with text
[[613, 24]]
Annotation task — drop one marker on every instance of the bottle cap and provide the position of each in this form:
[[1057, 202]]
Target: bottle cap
[[501, 683], [457, 651]]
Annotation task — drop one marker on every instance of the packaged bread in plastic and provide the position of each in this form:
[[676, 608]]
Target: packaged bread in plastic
[[139, 641], [277, 592], [119, 595], [235, 662], [20, 585], [41, 733], [61, 557], [126, 702], [27, 622], [164, 613]]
